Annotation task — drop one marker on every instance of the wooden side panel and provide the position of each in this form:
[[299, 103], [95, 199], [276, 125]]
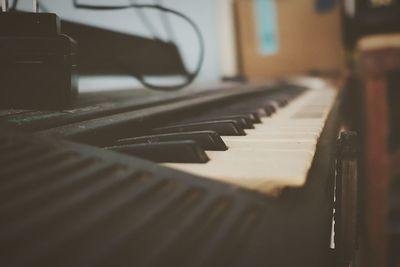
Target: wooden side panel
[[377, 169], [379, 57]]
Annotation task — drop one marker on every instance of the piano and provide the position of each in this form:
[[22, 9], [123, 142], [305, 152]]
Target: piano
[[241, 175]]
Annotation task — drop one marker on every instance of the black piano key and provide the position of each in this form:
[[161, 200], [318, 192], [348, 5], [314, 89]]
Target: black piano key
[[254, 114], [243, 121], [282, 101], [278, 101], [255, 117], [254, 108], [270, 109], [208, 140], [186, 151], [258, 112], [222, 127], [257, 107]]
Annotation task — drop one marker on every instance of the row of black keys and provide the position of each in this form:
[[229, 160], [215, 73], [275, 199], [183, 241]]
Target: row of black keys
[[185, 141]]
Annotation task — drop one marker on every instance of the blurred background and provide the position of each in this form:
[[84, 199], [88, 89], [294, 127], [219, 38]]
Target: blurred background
[[243, 38]]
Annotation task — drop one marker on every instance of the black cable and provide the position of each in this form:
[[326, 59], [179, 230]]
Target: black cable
[[146, 22], [191, 76]]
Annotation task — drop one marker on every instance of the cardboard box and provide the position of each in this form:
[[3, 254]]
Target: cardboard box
[[306, 39]]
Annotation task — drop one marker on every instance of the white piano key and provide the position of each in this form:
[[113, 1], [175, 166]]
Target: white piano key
[[262, 144], [258, 155], [288, 128], [282, 136], [256, 170]]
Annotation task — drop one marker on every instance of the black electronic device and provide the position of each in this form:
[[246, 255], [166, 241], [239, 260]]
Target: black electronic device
[[38, 64], [106, 52]]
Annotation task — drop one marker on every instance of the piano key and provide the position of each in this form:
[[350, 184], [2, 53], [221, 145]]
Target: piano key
[[255, 170], [222, 127], [269, 110], [176, 151], [283, 135], [262, 154], [208, 140], [271, 144], [264, 105], [281, 102], [243, 121], [250, 111], [253, 116]]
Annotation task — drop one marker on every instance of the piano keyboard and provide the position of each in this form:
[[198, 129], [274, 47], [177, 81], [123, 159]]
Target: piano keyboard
[[277, 153], [264, 143], [68, 199]]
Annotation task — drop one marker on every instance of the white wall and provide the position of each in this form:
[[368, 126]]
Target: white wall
[[203, 12]]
